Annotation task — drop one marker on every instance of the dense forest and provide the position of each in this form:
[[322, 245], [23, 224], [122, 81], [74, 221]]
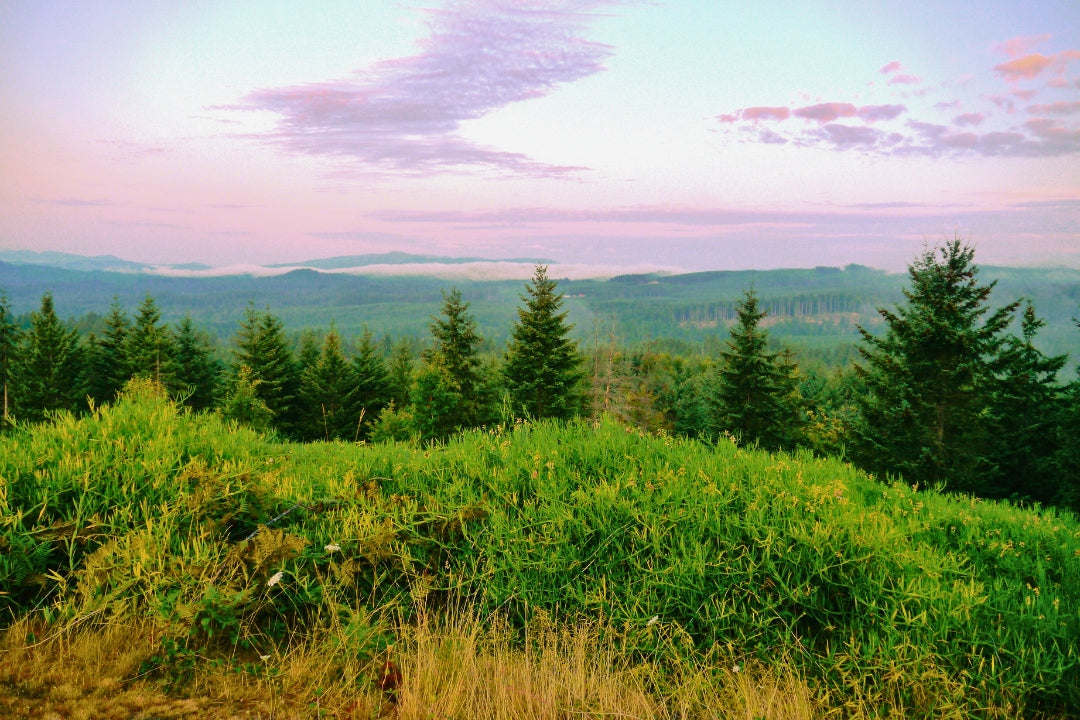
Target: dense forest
[[943, 387]]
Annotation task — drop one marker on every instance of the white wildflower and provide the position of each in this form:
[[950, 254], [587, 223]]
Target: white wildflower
[[736, 668], [275, 579], [332, 548], [652, 621], [264, 658]]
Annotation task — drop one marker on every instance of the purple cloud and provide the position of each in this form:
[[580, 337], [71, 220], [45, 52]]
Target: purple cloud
[[933, 130], [873, 113], [965, 119], [825, 112], [405, 113]]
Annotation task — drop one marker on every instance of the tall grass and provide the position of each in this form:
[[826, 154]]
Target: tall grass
[[674, 553]]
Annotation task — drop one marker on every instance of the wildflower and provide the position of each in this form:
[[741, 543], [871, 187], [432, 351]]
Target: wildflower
[[264, 658], [332, 548], [652, 621], [736, 668], [275, 579]]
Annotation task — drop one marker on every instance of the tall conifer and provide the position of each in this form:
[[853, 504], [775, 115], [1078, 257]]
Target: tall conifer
[[928, 380], [543, 368], [757, 398]]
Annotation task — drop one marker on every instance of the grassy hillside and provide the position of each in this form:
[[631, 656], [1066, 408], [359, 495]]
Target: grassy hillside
[[219, 548]]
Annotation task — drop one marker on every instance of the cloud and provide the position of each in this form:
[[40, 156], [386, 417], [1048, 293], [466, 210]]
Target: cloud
[[1026, 67], [826, 112], [965, 119], [904, 79], [765, 113], [932, 129], [1055, 108], [1018, 46], [873, 113], [405, 113]]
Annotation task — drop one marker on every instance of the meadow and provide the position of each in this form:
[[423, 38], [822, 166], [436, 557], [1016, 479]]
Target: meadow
[[174, 565]]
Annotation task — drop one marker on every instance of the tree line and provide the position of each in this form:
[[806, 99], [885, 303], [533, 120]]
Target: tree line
[[952, 394]]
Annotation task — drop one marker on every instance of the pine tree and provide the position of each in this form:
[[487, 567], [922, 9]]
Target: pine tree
[[372, 386], [243, 405], [456, 348], [927, 381], [46, 376], [436, 401], [10, 337], [107, 363], [196, 371], [149, 347], [756, 392], [261, 346], [399, 374], [328, 387], [543, 368]]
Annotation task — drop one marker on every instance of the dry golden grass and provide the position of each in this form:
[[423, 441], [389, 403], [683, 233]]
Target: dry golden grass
[[453, 669]]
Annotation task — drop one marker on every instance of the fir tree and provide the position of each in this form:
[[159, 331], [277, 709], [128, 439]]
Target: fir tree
[[243, 405], [149, 348], [196, 371], [399, 374], [261, 346], [543, 368], [10, 337], [107, 363], [46, 376], [756, 393], [927, 381], [456, 348], [372, 392], [328, 387], [436, 401]]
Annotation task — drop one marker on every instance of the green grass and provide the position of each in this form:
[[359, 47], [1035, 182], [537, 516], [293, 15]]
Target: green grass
[[886, 599]]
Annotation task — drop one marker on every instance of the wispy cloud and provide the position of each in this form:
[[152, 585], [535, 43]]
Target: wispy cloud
[[406, 113], [999, 129]]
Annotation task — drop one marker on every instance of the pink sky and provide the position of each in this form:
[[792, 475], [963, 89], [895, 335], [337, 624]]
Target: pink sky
[[685, 135]]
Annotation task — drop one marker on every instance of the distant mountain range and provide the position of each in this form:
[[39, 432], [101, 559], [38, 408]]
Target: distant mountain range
[[111, 263]]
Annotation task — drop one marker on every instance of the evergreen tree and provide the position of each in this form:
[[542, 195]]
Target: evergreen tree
[[46, 376], [10, 337], [261, 346], [196, 371], [756, 393], [928, 380], [243, 405], [372, 392], [149, 348], [456, 349], [328, 387], [107, 365], [399, 374], [543, 368], [436, 401]]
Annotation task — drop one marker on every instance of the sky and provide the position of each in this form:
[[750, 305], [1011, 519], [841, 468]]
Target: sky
[[680, 135]]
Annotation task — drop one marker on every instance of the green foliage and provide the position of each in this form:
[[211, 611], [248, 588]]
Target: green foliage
[[456, 350], [372, 392], [261, 346], [928, 379], [9, 349], [243, 405], [149, 345], [108, 368], [1025, 407], [437, 401], [543, 366], [913, 602], [46, 377], [328, 388], [757, 395]]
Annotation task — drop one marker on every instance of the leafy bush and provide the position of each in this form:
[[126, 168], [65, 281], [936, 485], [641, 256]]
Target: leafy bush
[[927, 604]]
